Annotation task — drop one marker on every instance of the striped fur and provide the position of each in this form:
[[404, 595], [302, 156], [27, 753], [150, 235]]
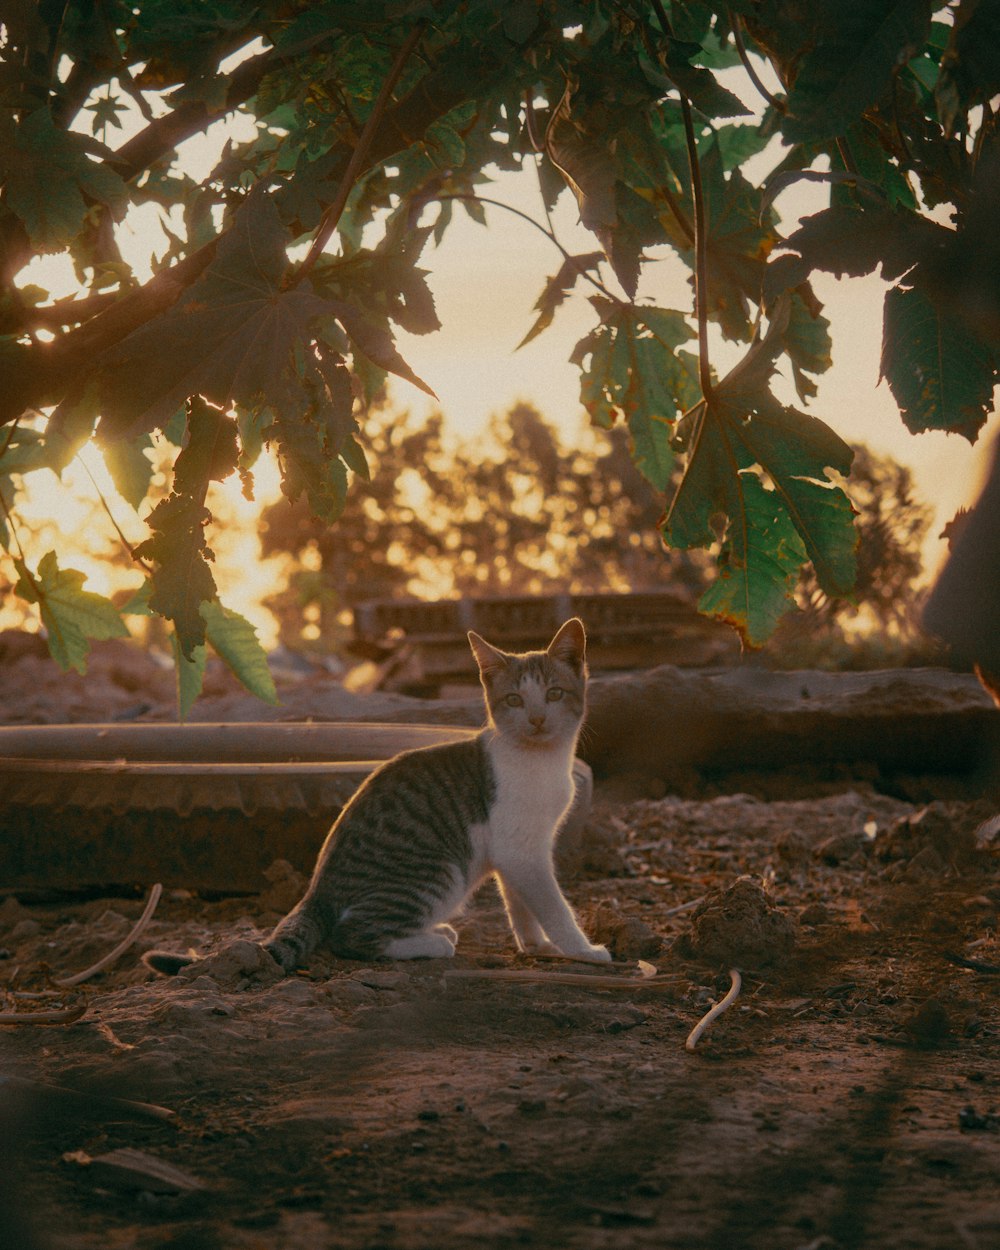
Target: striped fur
[[430, 825]]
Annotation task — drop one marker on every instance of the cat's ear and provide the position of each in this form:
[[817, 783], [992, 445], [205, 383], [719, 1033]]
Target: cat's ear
[[570, 644], [489, 659]]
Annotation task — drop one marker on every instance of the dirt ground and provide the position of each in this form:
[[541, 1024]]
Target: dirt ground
[[850, 1098]]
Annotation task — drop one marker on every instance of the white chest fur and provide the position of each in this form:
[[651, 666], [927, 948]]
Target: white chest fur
[[534, 789]]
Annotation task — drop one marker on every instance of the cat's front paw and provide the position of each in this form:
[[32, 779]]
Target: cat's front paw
[[540, 947], [594, 954]]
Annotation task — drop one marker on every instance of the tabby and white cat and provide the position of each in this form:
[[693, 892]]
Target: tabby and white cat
[[429, 826]]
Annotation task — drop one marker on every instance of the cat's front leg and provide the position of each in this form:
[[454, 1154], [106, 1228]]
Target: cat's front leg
[[528, 933], [534, 883]]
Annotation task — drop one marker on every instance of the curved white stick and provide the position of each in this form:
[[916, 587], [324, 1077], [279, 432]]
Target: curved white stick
[[123, 945], [716, 1011]]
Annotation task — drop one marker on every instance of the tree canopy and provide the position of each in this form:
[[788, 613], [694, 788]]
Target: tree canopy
[[269, 316]]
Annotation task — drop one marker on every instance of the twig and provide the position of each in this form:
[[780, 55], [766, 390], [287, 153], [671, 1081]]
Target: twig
[[676, 911], [111, 517], [550, 235], [735, 982], [596, 981], [66, 1016], [328, 222], [123, 945]]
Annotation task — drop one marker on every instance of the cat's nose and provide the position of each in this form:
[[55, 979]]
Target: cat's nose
[[537, 721]]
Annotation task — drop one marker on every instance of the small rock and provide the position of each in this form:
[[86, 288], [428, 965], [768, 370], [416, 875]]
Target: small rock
[[814, 914], [929, 1025], [237, 966], [286, 886], [25, 929], [11, 912], [626, 937], [926, 863], [349, 994], [839, 848], [739, 926]]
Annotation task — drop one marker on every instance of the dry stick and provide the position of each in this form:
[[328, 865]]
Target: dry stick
[[123, 945], [734, 989], [65, 1016], [328, 222], [596, 982]]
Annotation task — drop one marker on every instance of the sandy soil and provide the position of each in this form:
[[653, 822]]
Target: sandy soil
[[850, 1098]]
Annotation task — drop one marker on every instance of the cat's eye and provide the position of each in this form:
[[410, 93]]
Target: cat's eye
[[514, 700], [554, 694]]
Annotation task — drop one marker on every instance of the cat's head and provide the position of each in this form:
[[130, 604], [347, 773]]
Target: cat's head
[[536, 699]]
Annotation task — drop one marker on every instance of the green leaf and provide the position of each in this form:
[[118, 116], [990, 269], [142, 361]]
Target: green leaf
[[137, 603], [808, 344], [190, 674], [22, 450], [760, 567], [229, 338], [48, 177], [941, 376], [70, 614], [234, 640], [130, 468], [860, 44], [557, 288], [630, 368], [736, 443]]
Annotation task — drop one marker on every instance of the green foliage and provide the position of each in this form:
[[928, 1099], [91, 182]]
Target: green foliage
[[70, 614], [271, 312]]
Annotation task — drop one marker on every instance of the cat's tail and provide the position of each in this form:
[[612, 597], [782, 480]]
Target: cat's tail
[[167, 963], [295, 938]]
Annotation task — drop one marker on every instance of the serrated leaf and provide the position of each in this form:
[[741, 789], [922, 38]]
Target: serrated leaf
[[758, 575], [941, 376], [768, 532], [234, 640], [632, 369], [556, 290], [190, 674], [130, 468], [137, 604], [229, 338], [860, 44], [71, 615], [47, 176]]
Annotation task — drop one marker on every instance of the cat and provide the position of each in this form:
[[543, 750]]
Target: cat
[[430, 825]]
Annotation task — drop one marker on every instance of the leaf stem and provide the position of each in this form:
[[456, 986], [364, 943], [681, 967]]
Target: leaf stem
[[549, 234], [700, 237], [700, 252], [741, 48], [129, 547], [328, 222]]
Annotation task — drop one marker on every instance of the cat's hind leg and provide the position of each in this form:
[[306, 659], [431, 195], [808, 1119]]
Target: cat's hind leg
[[436, 943]]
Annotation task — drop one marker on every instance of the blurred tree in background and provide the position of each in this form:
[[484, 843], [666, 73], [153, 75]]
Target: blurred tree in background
[[518, 512]]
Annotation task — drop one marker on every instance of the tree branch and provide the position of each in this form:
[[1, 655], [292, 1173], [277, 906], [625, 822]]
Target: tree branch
[[328, 222], [46, 371]]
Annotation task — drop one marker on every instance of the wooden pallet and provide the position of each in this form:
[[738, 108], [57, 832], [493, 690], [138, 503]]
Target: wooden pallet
[[423, 645]]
